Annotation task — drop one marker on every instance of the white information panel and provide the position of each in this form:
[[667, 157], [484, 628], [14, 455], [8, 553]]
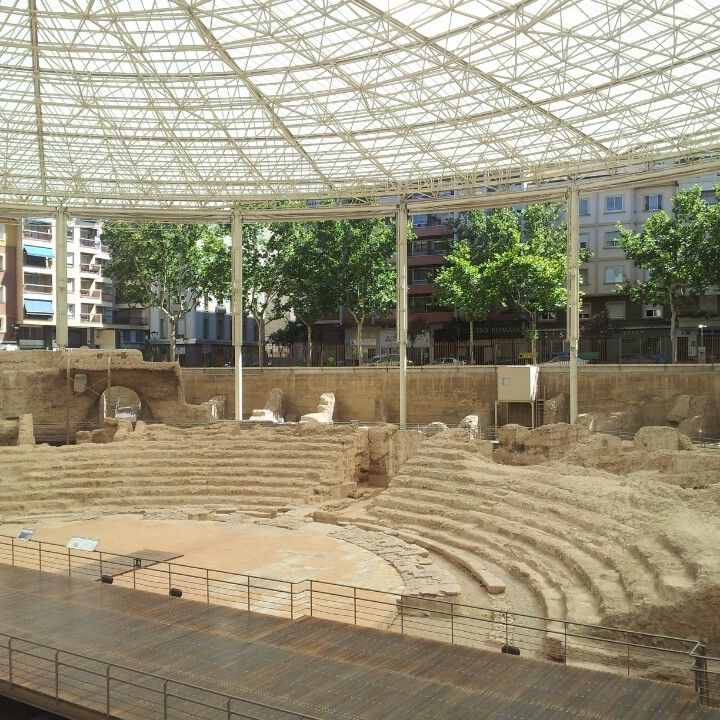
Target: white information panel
[[80, 543]]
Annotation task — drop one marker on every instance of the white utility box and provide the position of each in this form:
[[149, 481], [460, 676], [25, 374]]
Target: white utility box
[[517, 383]]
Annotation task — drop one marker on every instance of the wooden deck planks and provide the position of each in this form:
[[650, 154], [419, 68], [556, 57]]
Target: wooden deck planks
[[314, 666]]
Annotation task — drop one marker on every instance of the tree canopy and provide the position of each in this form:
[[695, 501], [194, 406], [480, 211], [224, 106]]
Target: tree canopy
[[507, 259], [163, 266], [678, 253]]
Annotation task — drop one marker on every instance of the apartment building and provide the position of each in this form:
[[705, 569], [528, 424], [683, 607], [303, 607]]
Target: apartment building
[[94, 320]]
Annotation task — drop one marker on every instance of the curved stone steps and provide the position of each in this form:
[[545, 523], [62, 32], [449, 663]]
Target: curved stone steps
[[631, 579], [641, 573], [583, 573], [505, 552]]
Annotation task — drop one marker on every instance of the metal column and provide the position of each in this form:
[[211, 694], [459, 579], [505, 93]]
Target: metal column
[[237, 308], [401, 315], [573, 286], [61, 309]]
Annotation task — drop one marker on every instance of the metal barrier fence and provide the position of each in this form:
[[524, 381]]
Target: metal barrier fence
[[626, 651], [117, 691]]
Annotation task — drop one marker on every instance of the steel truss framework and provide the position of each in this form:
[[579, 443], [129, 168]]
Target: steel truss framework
[[202, 104]]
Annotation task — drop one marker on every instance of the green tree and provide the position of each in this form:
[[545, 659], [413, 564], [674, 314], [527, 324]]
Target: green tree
[[366, 277], [461, 284], [677, 253], [505, 258], [310, 257], [162, 265]]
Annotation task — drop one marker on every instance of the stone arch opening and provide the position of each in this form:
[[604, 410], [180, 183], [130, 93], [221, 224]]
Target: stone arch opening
[[121, 402]]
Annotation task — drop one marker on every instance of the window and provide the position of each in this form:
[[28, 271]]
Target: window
[[614, 274], [652, 311], [612, 239], [584, 240], [220, 327], [584, 276], [70, 259], [71, 311], [584, 206], [585, 312], [163, 329], [206, 327], [615, 310], [420, 276], [614, 203], [419, 303], [2, 323], [70, 235], [548, 316], [2, 263], [653, 203], [2, 293], [71, 285]]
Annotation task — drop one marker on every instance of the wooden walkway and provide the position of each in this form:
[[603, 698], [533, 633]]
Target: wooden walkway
[[313, 667]]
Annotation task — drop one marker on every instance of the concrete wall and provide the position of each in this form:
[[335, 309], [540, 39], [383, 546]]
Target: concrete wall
[[448, 394]]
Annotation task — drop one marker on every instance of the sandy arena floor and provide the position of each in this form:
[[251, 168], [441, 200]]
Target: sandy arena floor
[[258, 550]]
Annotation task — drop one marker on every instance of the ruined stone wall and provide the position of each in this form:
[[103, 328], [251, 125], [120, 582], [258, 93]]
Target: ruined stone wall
[[645, 394], [35, 382]]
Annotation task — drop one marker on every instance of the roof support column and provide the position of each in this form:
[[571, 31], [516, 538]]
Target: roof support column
[[401, 220], [237, 306], [61, 299], [573, 286]]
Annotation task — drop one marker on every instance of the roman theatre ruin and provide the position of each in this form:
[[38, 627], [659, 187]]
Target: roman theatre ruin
[[560, 524]]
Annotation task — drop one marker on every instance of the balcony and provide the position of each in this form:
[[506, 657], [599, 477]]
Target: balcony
[[88, 293], [106, 297], [38, 263], [88, 268], [36, 288], [137, 318], [90, 317], [89, 243], [37, 235]]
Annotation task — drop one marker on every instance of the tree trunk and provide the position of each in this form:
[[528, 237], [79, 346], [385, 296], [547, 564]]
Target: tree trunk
[[533, 337], [472, 342], [172, 329], [673, 331], [308, 359], [359, 323], [261, 340]]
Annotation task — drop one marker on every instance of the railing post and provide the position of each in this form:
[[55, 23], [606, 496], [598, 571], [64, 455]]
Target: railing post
[[354, 606], [565, 652], [165, 699], [69, 563], [292, 601], [101, 565], [248, 593], [452, 622], [107, 691], [700, 670], [402, 617], [169, 578], [57, 676], [229, 711], [39, 557], [311, 598], [10, 667], [134, 576], [627, 641], [507, 629], [12, 550]]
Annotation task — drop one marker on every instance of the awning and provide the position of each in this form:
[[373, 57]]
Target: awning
[[38, 307], [38, 251]]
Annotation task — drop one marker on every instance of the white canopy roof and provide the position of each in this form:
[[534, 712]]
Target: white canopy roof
[[185, 103]]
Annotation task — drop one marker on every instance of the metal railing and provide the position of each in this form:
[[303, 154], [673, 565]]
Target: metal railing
[[34, 288], [119, 691], [620, 650]]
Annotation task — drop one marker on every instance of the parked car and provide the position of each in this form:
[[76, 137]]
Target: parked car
[[388, 359], [127, 412], [642, 360], [564, 359], [448, 361]]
